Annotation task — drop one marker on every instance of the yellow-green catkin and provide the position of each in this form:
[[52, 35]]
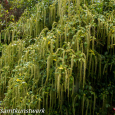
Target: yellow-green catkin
[[87, 106], [94, 103], [51, 46], [77, 39], [100, 66], [66, 79], [72, 63], [48, 67], [68, 87], [81, 66], [13, 32], [84, 60], [83, 104], [90, 63], [61, 99], [5, 37], [88, 45], [74, 100], [0, 37], [44, 16], [95, 64], [66, 33], [58, 83], [57, 41], [36, 26], [50, 99]]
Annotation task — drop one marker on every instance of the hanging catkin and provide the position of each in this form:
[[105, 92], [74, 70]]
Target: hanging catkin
[[100, 66], [66, 33], [83, 104], [95, 64], [74, 100], [13, 32], [72, 63], [94, 104], [58, 84], [48, 68], [68, 85], [0, 37], [80, 71], [90, 64], [87, 106], [84, 67], [61, 99]]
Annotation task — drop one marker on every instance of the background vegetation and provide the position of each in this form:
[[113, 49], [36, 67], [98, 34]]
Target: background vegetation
[[58, 55]]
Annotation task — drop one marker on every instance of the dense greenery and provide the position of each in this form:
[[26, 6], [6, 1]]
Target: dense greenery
[[59, 55]]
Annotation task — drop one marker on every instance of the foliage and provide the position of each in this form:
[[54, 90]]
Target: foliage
[[59, 56]]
